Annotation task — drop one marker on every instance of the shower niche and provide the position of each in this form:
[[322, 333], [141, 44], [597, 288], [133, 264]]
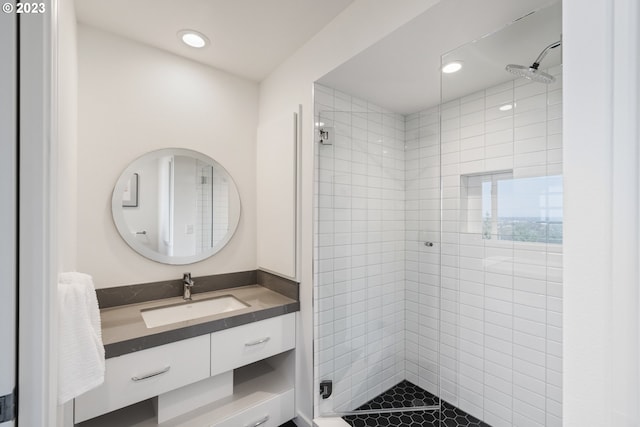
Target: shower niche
[[438, 239]]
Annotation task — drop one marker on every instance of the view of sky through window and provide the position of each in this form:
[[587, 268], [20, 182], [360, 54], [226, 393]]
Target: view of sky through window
[[522, 209]]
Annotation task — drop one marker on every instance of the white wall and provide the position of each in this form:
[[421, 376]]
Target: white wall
[[133, 99], [602, 187], [67, 136], [67, 168]]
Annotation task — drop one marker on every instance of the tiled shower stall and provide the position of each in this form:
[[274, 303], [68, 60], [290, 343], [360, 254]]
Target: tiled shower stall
[[438, 252]]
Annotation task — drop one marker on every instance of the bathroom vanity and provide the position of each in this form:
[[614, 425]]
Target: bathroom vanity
[[231, 368], [214, 352]]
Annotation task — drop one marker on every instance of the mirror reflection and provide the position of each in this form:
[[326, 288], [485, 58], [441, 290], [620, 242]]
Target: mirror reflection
[[176, 206]]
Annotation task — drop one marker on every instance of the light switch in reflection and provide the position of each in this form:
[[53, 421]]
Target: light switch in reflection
[[188, 229]]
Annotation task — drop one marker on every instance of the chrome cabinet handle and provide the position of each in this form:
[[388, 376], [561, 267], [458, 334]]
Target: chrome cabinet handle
[[261, 341], [259, 423], [155, 374]]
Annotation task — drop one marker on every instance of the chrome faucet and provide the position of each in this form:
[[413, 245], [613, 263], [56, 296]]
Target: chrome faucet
[[188, 284]]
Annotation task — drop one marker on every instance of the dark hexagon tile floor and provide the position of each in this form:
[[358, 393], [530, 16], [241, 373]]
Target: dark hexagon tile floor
[[404, 395]]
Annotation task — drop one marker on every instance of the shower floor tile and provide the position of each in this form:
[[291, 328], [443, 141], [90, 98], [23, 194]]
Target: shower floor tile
[[404, 395]]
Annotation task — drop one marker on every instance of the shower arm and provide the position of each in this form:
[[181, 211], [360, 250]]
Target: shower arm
[[540, 57]]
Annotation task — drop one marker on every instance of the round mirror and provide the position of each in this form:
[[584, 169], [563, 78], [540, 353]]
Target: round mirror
[[175, 206]]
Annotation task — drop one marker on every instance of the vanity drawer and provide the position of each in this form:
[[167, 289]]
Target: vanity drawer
[[137, 376], [270, 413], [239, 346]]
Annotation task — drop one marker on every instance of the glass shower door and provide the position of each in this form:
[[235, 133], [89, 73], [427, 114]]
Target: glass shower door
[[501, 340], [364, 351]]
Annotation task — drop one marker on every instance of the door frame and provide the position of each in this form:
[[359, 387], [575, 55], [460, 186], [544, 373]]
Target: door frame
[[9, 205], [37, 260]]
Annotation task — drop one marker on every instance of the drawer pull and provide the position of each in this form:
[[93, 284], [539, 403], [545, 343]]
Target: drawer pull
[[155, 374], [257, 342], [259, 423]]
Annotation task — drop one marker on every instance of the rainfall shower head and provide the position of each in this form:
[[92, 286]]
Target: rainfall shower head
[[533, 73]]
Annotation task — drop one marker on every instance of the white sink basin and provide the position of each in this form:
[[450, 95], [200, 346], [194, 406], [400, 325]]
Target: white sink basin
[[166, 315]]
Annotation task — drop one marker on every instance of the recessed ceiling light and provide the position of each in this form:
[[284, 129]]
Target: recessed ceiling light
[[193, 38], [452, 67], [506, 107]]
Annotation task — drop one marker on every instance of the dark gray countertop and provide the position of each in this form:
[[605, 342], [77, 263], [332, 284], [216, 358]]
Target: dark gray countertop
[[124, 330]]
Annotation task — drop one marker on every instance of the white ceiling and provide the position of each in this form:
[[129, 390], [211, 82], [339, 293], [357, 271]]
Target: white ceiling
[[519, 43], [402, 71], [248, 37]]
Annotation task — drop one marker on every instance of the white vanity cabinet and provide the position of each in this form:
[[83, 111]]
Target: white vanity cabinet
[[138, 376], [262, 391], [269, 413], [249, 343]]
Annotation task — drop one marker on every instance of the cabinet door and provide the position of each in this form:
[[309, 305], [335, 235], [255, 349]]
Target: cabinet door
[[249, 343], [137, 376], [270, 413]]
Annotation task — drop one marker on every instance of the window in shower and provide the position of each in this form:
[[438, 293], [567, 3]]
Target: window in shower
[[502, 207]]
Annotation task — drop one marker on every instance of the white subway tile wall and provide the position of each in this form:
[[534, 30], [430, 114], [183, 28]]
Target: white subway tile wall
[[359, 256], [204, 206], [212, 207], [475, 321], [220, 205]]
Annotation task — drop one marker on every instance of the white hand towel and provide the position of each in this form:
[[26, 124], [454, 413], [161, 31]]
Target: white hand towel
[[81, 360]]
